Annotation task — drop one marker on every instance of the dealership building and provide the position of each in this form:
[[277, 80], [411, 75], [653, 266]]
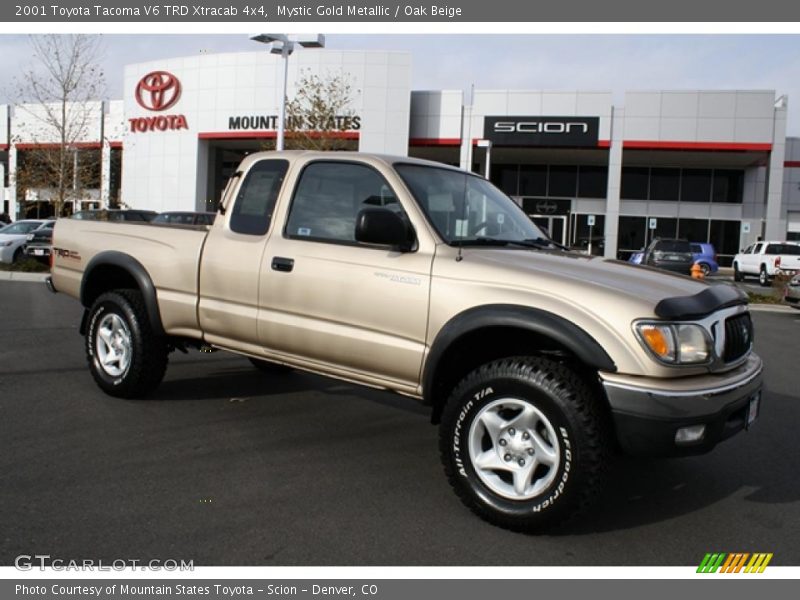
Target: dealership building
[[706, 165]]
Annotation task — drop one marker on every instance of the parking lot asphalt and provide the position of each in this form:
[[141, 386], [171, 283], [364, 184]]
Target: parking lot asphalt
[[228, 466]]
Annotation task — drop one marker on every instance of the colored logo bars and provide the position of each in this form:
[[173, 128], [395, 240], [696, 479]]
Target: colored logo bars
[[735, 562]]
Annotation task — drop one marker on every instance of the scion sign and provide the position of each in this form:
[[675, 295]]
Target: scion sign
[[542, 131]]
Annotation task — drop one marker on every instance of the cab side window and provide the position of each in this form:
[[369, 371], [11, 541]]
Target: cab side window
[[330, 195], [255, 202]]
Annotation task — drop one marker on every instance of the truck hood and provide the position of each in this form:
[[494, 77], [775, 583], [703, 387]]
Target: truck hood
[[578, 275]]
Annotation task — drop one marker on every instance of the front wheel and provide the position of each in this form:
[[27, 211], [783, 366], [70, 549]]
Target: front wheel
[[125, 356], [737, 274], [523, 442]]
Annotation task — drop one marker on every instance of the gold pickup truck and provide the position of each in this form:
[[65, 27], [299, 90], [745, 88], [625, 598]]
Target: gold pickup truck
[[423, 279]]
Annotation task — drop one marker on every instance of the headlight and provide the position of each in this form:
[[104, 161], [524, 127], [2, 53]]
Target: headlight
[[675, 343]]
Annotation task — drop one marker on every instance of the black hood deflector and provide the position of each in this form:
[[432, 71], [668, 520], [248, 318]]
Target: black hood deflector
[[700, 305]]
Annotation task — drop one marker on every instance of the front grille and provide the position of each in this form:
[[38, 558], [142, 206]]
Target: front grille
[[738, 337]]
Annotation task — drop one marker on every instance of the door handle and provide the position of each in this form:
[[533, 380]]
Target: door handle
[[280, 263]]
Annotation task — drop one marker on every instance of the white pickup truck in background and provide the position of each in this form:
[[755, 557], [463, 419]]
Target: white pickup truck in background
[[767, 259]]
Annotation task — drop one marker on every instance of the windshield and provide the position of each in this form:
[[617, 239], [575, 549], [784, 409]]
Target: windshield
[[464, 208]]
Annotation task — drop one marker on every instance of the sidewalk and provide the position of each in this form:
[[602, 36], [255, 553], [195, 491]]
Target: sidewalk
[[19, 276]]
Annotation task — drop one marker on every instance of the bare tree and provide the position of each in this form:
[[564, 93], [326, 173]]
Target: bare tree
[[57, 97], [320, 113]]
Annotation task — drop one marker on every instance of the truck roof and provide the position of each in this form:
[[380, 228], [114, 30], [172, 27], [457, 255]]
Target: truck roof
[[368, 157]]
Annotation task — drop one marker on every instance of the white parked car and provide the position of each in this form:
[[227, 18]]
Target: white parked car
[[14, 236]]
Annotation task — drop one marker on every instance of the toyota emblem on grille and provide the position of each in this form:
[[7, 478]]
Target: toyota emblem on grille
[[743, 325], [158, 90]]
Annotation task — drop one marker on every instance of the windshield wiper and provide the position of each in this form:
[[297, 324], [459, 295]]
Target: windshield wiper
[[480, 241], [536, 243], [546, 243]]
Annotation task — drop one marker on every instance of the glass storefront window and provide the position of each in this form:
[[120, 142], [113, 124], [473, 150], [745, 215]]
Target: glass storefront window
[[592, 182], [635, 183], [696, 185], [725, 237], [664, 184], [631, 233], [533, 180], [665, 228], [582, 233], [563, 181], [505, 177], [694, 230], [728, 186]]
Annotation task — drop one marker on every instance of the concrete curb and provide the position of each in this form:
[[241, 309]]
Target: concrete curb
[[778, 308], [18, 276]]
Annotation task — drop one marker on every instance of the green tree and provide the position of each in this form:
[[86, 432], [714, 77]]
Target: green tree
[[56, 99], [320, 113]]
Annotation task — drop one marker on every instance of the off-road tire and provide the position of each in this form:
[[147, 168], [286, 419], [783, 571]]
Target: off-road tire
[[266, 366], [737, 274], [575, 414], [763, 278], [147, 353]]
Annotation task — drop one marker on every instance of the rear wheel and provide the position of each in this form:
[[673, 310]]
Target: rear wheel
[[125, 356], [763, 278], [705, 268], [737, 274], [523, 443]]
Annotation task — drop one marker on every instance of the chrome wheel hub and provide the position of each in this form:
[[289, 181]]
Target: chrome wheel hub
[[113, 345], [514, 449]]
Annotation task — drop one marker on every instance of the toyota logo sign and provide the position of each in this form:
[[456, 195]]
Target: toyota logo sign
[[158, 90]]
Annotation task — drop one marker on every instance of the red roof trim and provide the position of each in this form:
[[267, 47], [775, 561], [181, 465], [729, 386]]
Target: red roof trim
[[271, 135], [722, 146], [3, 147], [791, 164], [434, 142]]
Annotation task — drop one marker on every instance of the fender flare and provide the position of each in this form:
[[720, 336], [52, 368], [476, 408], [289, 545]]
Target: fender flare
[[533, 320], [139, 274]]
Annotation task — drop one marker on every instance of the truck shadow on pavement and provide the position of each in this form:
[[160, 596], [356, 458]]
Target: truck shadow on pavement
[[754, 469], [231, 378], [638, 491]]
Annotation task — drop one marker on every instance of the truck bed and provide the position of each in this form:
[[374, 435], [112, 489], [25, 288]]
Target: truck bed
[[170, 255]]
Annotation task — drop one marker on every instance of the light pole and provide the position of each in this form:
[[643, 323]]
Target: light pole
[[284, 45], [488, 145]]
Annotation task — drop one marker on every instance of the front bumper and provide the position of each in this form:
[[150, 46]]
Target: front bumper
[[649, 412]]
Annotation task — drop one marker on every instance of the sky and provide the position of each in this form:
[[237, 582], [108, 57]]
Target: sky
[[604, 62]]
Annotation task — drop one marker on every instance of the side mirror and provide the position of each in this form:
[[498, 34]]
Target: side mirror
[[383, 227]]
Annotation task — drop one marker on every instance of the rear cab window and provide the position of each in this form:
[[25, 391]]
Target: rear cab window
[[255, 201]]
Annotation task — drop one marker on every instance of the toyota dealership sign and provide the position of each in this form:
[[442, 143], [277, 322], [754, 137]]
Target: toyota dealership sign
[[156, 92]]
